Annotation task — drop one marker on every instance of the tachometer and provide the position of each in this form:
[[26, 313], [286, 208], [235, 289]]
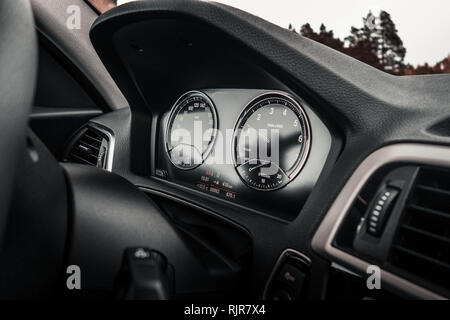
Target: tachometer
[[271, 141], [191, 130]]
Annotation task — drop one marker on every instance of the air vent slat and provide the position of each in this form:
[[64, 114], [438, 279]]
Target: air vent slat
[[87, 135], [84, 161], [434, 200], [422, 244], [431, 211], [434, 190], [85, 153], [85, 146], [91, 142], [86, 150], [423, 257], [424, 233]]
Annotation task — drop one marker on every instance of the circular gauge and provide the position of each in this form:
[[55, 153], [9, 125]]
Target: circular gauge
[[271, 141], [191, 130]]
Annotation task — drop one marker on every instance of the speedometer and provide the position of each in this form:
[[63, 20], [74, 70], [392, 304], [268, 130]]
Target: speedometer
[[271, 141], [191, 130]]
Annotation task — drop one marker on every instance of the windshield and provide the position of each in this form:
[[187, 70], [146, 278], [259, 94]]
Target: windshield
[[398, 37]]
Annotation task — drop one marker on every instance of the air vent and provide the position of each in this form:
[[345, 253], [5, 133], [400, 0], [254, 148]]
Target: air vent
[[90, 147], [422, 244]]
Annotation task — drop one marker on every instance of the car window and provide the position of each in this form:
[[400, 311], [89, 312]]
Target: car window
[[398, 37]]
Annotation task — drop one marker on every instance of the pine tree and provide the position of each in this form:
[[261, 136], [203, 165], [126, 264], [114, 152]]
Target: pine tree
[[291, 28], [307, 31], [390, 47], [377, 43], [379, 36], [367, 34], [324, 36]]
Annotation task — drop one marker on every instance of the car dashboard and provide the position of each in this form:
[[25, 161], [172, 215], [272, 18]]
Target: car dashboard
[[229, 166], [212, 90]]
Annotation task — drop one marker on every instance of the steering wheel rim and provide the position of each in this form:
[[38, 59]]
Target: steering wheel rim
[[18, 62]]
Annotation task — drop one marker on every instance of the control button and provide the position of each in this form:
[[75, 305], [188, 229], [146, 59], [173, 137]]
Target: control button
[[292, 278], [214, 190], [230, 195], [141, 253], [201, 186], [161, 173], [380, 210], [281, 295]]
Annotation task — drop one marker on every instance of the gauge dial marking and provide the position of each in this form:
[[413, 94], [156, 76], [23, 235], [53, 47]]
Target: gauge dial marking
[[272, 131], [193, 113]]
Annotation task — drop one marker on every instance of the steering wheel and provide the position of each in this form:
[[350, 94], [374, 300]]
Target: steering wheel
[[18, 61], [49, 213]]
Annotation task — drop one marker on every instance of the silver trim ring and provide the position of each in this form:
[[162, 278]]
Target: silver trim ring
[[172, 114], [308, 135]]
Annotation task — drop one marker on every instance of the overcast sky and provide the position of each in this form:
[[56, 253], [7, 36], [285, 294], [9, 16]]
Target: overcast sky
[[423, 25]]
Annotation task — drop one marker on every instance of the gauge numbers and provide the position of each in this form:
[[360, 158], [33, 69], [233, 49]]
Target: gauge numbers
[[271, 142], [191, 130]]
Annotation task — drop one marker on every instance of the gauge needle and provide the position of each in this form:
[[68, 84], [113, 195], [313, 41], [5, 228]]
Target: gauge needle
[[258, 166]]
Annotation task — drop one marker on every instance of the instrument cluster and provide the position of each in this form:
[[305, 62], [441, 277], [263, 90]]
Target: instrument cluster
[[251, 147]]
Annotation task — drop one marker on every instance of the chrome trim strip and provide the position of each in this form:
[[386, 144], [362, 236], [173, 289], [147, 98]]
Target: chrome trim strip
[[112, 143], [336, 266], [322, 241]]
